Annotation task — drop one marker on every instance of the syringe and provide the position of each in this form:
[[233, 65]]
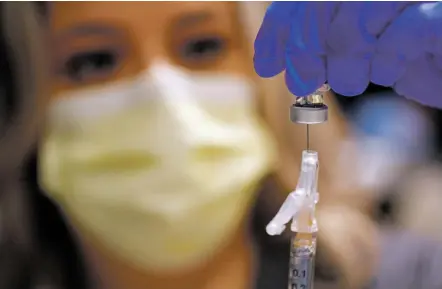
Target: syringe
[[300, 207], [300, 204], [307, 110]]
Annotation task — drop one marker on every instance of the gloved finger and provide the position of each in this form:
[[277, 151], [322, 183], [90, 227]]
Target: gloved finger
[[315, 18], [271, 39], [375, 16], [348, 75], [304, 73], [401, 42], [345, 34], [422, 81], [305, 68], [349, 51], [385, 68], [433, 13], [405, 36]]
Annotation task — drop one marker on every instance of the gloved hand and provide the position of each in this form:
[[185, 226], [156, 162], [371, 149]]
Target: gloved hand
[[349, 44]]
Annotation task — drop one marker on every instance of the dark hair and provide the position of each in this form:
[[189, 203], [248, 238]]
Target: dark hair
[[30, 254]]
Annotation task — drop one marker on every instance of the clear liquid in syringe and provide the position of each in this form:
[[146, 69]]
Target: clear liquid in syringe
[[302, 259]]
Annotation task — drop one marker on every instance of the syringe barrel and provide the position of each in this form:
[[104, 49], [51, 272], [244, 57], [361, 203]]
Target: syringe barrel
[[302, 262]]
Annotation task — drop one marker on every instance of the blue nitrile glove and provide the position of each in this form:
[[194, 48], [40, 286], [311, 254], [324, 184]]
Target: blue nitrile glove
[[413, 44], [349, 44]]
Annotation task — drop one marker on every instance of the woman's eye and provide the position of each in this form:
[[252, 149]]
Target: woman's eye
[[89, 65], [202, 49]]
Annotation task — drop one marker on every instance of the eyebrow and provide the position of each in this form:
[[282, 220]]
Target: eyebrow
[[193, 19], [88, 29]]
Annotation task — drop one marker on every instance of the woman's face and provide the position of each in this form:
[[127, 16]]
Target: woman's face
[[99, 43], [102, 42]]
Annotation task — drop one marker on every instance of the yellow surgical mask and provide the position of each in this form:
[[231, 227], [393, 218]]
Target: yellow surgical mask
[[160, 169]]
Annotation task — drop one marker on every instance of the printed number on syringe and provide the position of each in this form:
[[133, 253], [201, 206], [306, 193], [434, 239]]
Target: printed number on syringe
[[296, 274]]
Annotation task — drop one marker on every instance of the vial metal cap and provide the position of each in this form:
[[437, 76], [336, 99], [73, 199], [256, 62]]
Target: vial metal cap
[[308, 115]]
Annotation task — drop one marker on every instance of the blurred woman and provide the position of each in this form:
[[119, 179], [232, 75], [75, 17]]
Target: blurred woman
[[159, 138]]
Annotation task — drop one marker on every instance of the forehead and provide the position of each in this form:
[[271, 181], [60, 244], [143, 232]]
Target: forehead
[[146, 16]]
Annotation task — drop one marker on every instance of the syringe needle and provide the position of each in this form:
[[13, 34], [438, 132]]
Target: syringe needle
[[308, 138]]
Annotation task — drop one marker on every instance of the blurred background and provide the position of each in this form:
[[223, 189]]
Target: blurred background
[[391, 186], [402, 145]]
